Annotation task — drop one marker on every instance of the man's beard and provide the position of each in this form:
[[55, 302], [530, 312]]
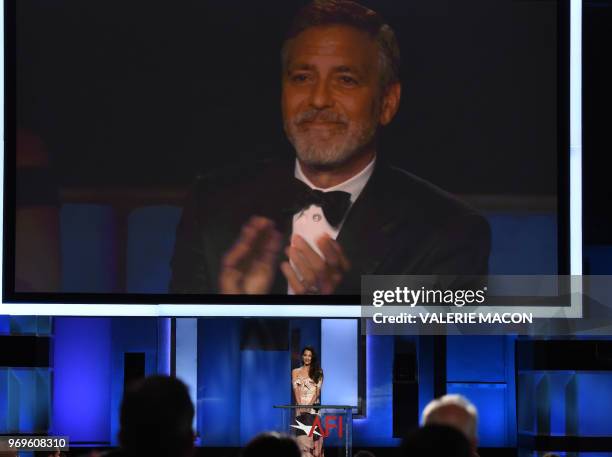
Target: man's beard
[[328, 148]]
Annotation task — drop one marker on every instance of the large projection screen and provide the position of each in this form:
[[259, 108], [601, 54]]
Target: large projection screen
[[478, 183]]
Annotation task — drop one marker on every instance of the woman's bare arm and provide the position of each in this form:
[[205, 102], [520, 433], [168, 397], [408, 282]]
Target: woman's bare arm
[[296, 388], [319, 388]]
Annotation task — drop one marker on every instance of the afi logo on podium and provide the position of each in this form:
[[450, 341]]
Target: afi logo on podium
[[317, 428], [330, 422]]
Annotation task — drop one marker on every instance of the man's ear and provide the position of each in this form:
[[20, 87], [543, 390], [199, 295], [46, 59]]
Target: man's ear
[[390, 103]]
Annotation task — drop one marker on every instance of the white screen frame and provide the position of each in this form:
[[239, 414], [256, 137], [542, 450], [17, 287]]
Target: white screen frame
[[347, 311]]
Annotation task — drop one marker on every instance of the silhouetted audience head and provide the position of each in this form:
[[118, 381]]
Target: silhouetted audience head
[[271, 444], [435, 441], [57, 453], [364, 454], [455, 411], [9, 454], [551, 454], [156, 418]]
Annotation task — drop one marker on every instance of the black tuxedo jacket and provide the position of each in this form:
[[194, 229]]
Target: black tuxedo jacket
[[400, 224]]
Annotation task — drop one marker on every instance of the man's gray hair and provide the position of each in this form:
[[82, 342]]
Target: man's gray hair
[[346, 12], [469, 428]]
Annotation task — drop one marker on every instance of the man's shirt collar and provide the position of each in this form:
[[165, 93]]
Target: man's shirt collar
[[353, 185]]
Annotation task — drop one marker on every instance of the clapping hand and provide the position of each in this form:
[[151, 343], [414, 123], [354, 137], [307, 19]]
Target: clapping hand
[[249, 266], [315, 274]]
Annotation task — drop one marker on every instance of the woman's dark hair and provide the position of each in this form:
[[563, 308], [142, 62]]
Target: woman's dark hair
[[314, 370]]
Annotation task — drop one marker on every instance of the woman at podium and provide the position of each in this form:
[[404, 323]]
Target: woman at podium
[[307, 381]]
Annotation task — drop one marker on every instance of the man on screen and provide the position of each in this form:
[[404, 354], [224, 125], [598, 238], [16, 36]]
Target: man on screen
[[338, 210]]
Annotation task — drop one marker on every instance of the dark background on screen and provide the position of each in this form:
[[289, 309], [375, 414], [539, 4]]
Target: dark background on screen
[[142, 94], [597, 142]]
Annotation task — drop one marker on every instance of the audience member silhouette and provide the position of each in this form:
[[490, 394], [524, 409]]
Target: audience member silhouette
[[271, 444], [435, 441], [455, 411], [364, 454], [156, 419]]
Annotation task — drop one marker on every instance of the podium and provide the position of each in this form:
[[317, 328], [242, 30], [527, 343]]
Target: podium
[[332, 425]]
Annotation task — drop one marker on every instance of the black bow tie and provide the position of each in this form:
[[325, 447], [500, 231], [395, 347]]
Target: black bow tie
[[334, 203]]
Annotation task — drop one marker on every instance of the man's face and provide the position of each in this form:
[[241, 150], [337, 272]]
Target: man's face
[[331, 97]]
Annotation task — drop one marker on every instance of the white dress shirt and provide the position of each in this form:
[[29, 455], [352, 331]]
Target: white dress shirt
[[311, 223]]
